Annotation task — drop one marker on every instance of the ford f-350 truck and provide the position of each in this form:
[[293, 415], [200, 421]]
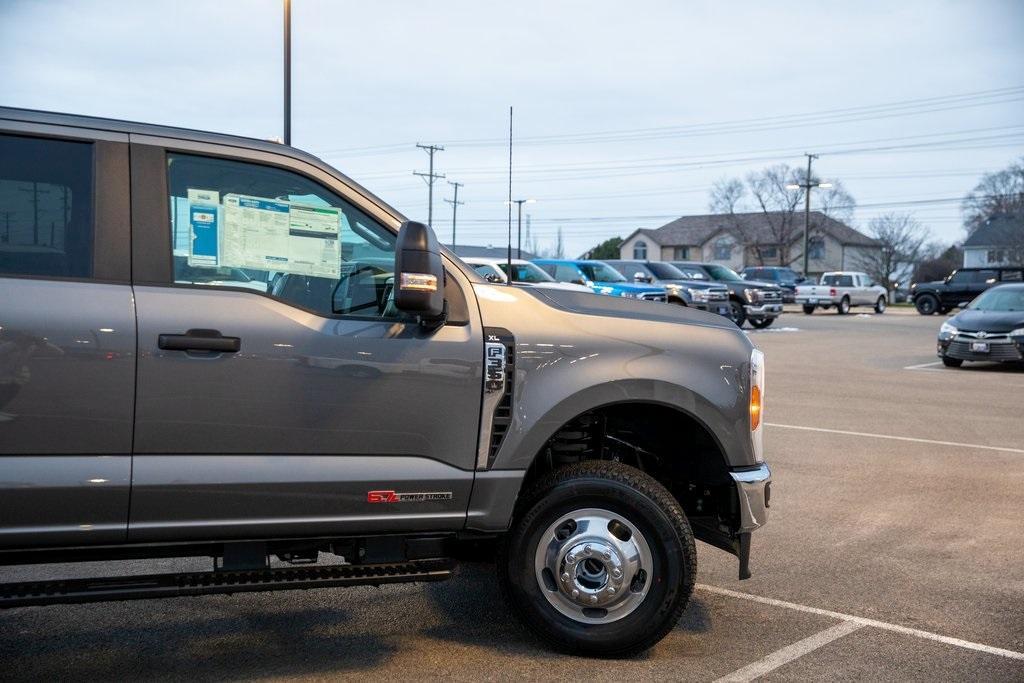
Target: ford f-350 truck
[[372, 412]]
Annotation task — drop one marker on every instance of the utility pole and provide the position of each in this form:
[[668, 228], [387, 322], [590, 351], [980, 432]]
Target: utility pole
[[430, 177], [287, 72], [807, 186], [35, 210], [455, 206]]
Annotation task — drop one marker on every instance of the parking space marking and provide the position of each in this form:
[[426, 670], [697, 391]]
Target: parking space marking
[[1002, 449], [791, 653], [923, 366], [874, 623]]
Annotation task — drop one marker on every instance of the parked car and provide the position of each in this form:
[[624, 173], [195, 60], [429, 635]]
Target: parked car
[[600, 278], [959, 287], [758, 302], [844, 290], [990, 328], [383, 404], [680, 289], [524, 273], [786, 278]]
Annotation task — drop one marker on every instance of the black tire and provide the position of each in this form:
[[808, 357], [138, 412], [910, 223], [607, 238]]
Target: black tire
[[761, 323], [644, 503], [843, 307], [926, 304], [952, 362], [808, 309], [737, 313], [880, 305]]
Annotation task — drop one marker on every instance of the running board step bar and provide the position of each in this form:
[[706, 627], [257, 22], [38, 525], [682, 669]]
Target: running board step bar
[[150, 586]]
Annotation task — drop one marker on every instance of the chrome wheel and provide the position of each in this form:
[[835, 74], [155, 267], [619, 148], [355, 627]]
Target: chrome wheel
[[593, 566]]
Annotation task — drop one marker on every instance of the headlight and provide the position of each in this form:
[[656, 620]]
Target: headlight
[[1019, 332], [950, 331], [753, 295], [757, 404], [698, 294]]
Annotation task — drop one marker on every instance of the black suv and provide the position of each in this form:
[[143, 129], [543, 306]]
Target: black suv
[[960, 286], [786, 278], [758, 302]]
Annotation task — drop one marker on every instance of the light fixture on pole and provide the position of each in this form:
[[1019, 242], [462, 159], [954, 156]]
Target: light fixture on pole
[[807, 186], [519, 229]]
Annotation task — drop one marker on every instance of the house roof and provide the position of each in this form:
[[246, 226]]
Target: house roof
[[696, 230], [999, 231], [489, 251]]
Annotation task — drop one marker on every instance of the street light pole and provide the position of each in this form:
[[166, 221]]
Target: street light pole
[[519, 229], [287, 72]]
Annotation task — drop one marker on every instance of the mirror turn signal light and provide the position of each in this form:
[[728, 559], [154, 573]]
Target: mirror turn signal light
[[420, 282], [755, 407]]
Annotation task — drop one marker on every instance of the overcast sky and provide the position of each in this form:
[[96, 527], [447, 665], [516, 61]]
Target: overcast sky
[[625, 112]]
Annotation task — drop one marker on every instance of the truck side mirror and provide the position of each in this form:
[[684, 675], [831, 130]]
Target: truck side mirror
[[640, 276], [419, 273]]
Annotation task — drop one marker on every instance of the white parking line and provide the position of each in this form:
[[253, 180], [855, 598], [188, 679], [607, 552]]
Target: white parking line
[[790, 653], [923, 366], [884, 625], [957, 444]]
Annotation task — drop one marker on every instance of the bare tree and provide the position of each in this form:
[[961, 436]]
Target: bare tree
[[903, 242], [996, 193], [781, 210]]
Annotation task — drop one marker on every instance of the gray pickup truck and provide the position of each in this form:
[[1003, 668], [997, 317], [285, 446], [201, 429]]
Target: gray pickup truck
[[213, 346]]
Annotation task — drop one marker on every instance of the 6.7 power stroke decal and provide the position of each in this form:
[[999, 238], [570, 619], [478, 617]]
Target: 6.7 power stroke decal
[[395, 497]]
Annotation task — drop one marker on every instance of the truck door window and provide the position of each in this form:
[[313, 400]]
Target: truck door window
[[242, 225], [46, 211]]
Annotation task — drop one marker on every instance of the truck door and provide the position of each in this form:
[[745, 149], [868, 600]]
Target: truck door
[[67, 336], [280, 392]]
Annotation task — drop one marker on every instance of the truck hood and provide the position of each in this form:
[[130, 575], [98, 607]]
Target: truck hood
[[989, 321], [758, 284], [628, 309]]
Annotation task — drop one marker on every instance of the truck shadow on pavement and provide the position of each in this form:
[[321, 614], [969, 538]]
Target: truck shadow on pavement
[[319, 632]]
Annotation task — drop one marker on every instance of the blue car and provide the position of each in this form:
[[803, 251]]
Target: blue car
[[601, 278]]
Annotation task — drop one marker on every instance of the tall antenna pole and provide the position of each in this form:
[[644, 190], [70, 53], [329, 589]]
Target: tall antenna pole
[[287, 72], [430, 177], [807, 207], [509, 280], [455, 206]]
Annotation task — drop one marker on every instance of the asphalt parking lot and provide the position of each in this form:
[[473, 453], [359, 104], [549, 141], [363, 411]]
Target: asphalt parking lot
[[894, 552]]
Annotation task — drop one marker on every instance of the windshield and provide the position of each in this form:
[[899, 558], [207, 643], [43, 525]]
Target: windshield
[[1001, 300], [526, 272], [722, 273], [666, 271], [601, 272]]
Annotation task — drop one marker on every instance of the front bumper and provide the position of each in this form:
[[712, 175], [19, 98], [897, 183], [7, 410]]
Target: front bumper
[[753, 488], [1006, 350], [763, 311], [720, 307]]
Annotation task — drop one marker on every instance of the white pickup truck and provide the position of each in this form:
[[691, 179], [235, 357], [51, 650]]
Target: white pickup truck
[[842, 289]]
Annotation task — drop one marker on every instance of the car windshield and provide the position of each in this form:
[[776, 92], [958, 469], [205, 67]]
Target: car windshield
[[666, 271], [601, 272], [723, 274], [1001, 300], [526, 272]]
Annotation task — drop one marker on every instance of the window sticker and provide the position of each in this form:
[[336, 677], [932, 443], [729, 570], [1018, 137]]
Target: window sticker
[[203, 220], [280, 236]]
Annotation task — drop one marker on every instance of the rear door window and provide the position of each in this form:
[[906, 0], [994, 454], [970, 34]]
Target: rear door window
[[46, 207]]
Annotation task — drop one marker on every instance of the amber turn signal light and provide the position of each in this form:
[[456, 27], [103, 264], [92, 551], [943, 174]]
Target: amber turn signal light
[[755, 407]]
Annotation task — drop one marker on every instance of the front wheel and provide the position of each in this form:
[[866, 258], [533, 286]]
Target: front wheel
[[843, 307], [600, 560], [761, 323], [926, 304], [880, 305], [737, 313], [808, 309]]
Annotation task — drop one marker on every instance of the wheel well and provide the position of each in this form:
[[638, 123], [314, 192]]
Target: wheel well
[[666, 443]]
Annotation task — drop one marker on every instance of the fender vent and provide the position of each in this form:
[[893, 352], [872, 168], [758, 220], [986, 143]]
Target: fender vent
[[499, 388]]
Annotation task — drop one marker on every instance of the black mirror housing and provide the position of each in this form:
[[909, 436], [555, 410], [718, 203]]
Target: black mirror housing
[[419, 273]]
